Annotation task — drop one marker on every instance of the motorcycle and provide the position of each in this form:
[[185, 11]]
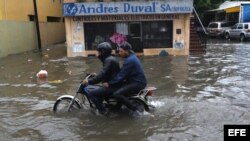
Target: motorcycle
[[69, 103]]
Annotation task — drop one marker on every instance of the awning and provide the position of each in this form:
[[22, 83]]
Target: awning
[[233, 9]]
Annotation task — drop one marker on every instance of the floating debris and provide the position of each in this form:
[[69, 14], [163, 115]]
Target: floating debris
[[46, 56], [56, 82], [42, 74]]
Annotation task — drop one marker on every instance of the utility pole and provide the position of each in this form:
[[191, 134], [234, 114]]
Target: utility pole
[[37, 26]]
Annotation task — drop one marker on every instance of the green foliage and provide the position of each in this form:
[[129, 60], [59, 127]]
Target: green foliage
[[203, 5]]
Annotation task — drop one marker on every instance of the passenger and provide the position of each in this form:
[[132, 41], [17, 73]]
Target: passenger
[[131, 74], [108, 72]]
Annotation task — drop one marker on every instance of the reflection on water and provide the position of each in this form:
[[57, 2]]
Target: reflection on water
[[195, 97]]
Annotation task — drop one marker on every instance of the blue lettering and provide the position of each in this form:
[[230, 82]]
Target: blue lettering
[[140, 8], [126, 7], [112, 10], [175, 8], [82, 9], [99, 9], [146, 9], [181, 9], [165, 8], [91, 10], [154, 7], [104, 8], [168, 8], [115, 9]]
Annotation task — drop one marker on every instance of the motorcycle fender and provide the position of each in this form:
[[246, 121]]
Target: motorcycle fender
[[139, 98], [71, 97], [65, 96]]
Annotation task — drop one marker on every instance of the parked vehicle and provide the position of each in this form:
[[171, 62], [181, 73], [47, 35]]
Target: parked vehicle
[[239, 31], [70, 103], [217, 29]]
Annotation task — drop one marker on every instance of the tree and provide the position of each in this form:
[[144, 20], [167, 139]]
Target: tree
[[203, 5]]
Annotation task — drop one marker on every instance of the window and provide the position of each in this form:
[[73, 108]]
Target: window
[[31, 17], [53, 19], [240, 26], [213, 25], [233, 16], [246, 26], [224, 25], [227, 24], [157, 34], [235, 26], [135, 29], [96, 33], [122, 28]]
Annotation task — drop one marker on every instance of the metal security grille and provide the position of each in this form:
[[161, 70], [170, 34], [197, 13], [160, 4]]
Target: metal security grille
[[157, 34], [96, 33]]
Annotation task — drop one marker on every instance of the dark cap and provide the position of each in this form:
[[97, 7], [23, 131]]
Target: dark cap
[[126, 46]]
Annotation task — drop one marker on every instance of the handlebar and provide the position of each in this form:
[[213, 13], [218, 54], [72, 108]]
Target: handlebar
[[88, 76]]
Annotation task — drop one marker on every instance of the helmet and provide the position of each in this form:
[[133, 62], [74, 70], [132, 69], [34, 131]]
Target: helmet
[[105, 49]]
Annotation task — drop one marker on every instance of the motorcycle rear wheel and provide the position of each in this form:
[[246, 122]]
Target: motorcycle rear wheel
[[140, 106], [62, 104]]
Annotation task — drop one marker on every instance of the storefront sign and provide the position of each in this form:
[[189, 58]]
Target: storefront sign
[[114, 8], [117, 18]]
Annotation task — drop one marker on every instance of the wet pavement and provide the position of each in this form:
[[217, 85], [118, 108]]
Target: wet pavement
[[196, 96]]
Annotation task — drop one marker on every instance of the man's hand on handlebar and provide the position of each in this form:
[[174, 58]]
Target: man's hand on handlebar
[[85, 81], [89, 75]]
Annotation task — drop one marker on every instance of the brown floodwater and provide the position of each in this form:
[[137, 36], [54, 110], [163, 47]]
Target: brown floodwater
[[195, 97]]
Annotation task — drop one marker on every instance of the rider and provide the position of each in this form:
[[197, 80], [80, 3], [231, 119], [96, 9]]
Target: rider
[[131, 74], [110, 69]]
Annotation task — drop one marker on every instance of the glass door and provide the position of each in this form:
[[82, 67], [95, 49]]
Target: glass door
[[135, 36]]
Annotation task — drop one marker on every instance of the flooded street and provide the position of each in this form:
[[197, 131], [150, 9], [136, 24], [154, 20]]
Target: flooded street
[[195, 97]]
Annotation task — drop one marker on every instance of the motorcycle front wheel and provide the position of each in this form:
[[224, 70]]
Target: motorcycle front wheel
[[62, 104]]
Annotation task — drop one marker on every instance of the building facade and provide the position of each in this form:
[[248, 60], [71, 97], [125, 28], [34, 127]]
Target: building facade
[[23, 10], [150, 26], [17, 26], [233, 11]]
